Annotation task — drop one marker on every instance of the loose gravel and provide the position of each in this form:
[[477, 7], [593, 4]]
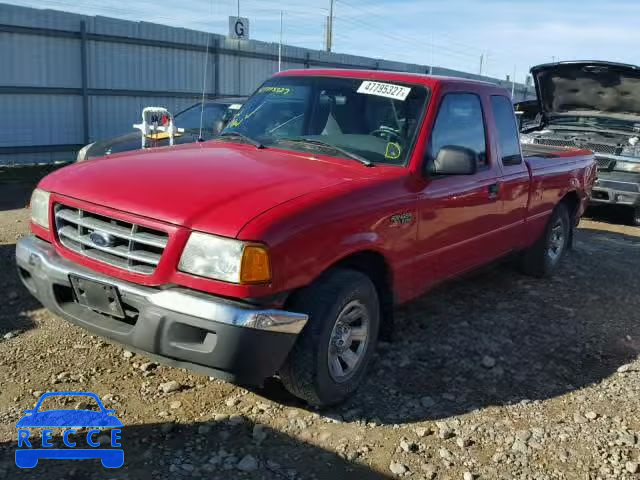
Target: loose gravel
[[494, 376]]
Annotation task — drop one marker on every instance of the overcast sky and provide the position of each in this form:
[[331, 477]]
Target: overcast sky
[[513, 34]]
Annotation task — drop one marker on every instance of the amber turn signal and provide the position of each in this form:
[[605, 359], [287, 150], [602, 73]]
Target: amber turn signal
[[255, 266]]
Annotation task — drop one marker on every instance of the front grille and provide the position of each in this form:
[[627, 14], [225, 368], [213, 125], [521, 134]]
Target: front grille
[[621, 186], [611, 149], [605, 163], [122, 244]]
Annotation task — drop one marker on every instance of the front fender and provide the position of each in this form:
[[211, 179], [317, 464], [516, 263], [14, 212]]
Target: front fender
[[312, 233]]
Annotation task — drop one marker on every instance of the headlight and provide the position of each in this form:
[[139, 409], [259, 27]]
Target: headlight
[[627, 166], [225, 259], [526, 139], [40, 208], [82, 154]]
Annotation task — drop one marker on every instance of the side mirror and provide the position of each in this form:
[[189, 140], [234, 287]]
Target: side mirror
[[455, 160]]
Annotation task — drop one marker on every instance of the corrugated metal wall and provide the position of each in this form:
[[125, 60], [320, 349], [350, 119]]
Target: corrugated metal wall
[[67, 79]]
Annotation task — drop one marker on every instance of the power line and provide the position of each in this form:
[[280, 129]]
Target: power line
[[410, 40], [330, 26], [407, 40], [372, 12]]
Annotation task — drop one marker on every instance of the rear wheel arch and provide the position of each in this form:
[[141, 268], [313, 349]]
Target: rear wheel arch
[[572, 201], [536, 260]]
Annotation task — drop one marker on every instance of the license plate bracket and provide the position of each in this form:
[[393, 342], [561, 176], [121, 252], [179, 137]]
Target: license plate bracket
[[98, 296]]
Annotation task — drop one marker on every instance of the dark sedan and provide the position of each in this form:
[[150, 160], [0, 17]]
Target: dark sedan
[[215, 116]]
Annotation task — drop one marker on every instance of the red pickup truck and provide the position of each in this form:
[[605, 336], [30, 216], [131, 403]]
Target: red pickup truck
[[283, 246]]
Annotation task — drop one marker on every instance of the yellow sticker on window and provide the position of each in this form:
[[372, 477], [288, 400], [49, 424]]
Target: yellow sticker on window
[[276, 90], [393, 151]]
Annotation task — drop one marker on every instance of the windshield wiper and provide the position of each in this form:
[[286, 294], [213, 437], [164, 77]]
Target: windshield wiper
[[244, 137], [320, 143]]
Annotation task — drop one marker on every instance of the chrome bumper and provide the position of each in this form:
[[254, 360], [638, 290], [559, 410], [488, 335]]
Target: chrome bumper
[[183, 328], [615, 192], [40, 259]]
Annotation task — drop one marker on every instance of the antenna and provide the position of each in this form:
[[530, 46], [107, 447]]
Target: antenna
[[280, 45], [204, 86], [204, 78]]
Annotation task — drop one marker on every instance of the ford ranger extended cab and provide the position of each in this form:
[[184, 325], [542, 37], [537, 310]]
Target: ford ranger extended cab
[[594, 105], [282, 247]]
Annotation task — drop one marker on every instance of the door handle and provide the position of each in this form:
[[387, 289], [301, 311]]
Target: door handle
[[493, 190]]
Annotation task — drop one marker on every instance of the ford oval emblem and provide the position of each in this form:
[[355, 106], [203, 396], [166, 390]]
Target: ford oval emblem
[[102, 239]]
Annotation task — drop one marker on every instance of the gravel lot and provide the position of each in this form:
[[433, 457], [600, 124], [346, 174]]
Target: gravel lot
[[493, 376]]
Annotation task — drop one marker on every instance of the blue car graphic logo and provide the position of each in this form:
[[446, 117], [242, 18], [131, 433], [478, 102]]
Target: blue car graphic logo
[[27, 456]]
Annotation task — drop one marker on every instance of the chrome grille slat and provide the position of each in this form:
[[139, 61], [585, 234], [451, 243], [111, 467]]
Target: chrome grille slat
[[132, 247], [134, 229], [80, 230], [121, 251], [114, 229], [615, 185], [604, 163]]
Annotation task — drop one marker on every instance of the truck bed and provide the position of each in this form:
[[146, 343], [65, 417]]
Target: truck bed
[[550, 167], [550, 151], [547, 158]]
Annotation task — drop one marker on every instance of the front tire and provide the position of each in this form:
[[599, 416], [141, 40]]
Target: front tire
[[331, 355], [543, 257]]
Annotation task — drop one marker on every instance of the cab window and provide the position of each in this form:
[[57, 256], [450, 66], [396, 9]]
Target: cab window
[[460, 123], [507, 130]]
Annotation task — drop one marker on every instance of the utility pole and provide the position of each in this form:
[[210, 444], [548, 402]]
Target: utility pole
[[481, 61], [329, 26], [431, 53], [280, 45], [513, 83], [238, 7]]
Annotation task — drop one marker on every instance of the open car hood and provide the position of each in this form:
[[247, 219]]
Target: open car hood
[[588, 88]]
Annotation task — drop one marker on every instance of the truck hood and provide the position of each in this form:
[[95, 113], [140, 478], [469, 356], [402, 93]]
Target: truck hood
[[213, 187], [591, 88]]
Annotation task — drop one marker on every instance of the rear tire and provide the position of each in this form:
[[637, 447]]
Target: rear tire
[[543, 257], [331, 355]]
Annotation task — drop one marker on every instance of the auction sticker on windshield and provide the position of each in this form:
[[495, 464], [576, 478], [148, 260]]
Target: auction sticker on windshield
[[389, 90]]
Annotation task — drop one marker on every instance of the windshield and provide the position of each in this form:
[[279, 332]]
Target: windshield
[[337, 116], [212, 118]]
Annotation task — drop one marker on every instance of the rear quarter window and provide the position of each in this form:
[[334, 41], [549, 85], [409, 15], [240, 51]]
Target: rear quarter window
[[506, 125]]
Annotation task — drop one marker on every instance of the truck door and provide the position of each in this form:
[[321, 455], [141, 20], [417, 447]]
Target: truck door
[[457, 213], [515, 182]]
